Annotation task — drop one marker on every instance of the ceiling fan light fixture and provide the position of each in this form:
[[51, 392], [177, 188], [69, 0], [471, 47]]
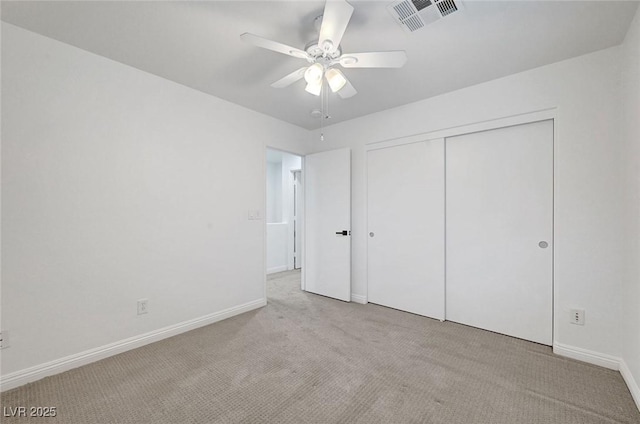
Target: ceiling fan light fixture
[[314, 88], [323, 55], [335, 79], [313, 74]]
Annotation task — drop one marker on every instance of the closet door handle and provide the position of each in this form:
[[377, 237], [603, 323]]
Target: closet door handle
[[343, 233]]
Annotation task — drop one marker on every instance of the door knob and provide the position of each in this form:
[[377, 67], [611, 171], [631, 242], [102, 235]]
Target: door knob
[[371, 234], [342, 233], [543, 244]]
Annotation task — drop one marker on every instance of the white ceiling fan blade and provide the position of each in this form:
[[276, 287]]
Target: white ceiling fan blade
[[347, 91], [258, 41], [393, 59], [290, 79], [335, 19]]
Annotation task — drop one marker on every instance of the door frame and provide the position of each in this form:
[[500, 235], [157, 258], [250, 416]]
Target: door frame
[[298, 199], [264, 220], [474, 127]]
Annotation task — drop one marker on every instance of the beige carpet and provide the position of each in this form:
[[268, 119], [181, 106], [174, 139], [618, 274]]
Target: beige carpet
[[309, 359]]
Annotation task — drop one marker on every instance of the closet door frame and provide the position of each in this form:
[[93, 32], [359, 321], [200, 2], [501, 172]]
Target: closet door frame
[[472, 127]]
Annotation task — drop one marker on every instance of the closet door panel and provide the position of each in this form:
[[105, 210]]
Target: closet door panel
[[405, 196], [499, 230]]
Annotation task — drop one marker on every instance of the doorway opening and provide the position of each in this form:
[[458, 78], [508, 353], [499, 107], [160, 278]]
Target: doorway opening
[[284, 208]]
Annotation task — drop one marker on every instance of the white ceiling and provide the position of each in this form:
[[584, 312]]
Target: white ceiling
[[198, 44]]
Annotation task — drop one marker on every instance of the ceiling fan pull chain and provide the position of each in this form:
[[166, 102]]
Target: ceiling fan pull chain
[[327, 99]]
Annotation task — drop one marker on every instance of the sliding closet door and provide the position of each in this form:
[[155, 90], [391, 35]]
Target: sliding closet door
[[405, 196], [499, 230]]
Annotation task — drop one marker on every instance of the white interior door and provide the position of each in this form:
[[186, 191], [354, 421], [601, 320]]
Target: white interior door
[[499, 230], [405, 196], [327, 193]]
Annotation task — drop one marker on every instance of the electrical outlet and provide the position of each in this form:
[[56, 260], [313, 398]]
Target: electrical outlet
[[4, 339], [577, 316], [143, 306]]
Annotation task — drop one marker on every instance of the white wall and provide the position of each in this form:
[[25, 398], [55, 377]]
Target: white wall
[[277, 248], [116, 187], [631, 126], [589, 255], [274, 192]]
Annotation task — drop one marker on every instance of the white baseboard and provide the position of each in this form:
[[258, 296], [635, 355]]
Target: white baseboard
[[358, 298], [603, 360], [589, 356], [632, 384], [57, 366], [277, 269]]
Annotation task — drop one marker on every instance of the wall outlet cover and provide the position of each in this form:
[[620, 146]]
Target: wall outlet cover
[[577, 316]]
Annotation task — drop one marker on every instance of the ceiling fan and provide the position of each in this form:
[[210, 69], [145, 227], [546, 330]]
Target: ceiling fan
[[324, 54]]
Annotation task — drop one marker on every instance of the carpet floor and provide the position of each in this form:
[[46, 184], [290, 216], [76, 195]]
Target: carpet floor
[[309, 359]]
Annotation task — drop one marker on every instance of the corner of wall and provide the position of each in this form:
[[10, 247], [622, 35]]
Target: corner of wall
[[632, 383]]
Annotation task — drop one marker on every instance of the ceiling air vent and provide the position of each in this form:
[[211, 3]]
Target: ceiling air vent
[[415, 14], [446, 7]]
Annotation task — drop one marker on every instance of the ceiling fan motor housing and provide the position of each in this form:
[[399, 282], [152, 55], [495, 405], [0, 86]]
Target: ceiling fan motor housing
[[318, 54]]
